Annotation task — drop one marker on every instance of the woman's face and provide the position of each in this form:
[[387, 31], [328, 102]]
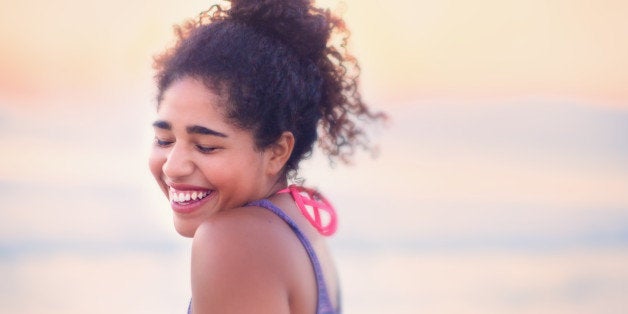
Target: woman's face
[[202, 163]]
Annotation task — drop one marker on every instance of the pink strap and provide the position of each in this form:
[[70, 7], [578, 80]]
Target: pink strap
[[318, 211]]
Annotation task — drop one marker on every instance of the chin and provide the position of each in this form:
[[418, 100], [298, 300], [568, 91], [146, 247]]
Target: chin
[[185, 228]]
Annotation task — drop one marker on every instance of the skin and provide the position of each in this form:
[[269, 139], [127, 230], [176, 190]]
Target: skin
[[244, 259]]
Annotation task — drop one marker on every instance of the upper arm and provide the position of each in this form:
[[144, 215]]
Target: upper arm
[[235, 269]]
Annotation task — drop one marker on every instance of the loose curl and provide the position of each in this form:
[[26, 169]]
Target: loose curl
[[278, 66]]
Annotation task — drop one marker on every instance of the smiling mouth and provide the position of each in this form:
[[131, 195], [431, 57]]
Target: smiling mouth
[[187, 197]]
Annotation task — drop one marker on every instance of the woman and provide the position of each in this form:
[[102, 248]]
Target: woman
[[242, 97]]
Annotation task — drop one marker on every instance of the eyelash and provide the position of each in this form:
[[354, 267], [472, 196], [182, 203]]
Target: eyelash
[[162, 143], [206, 149], [202, 149]]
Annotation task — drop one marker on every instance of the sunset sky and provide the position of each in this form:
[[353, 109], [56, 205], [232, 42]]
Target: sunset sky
[[408, 49]]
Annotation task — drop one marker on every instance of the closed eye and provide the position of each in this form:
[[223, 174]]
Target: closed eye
[[162, 143], [206, 149]]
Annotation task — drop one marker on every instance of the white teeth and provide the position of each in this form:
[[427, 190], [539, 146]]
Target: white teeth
[[181, 197]]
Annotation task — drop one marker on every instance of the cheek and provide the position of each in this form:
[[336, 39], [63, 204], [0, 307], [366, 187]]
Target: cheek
[[156, 161]]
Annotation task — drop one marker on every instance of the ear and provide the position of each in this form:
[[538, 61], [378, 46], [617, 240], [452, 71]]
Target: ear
[[279, 153]]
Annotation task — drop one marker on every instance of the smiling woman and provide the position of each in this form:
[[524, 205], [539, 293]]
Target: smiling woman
[[243, 96], [196, 151]]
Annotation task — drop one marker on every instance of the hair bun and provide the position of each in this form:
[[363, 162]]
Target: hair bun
[[296, 23]]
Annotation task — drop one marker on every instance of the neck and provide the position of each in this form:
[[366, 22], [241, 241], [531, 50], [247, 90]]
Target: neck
[[280, 183]]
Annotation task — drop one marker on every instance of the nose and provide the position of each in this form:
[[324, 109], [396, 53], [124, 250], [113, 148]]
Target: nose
[[178, 163]]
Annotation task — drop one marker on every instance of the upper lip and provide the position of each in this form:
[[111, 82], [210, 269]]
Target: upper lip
[[186, 187]]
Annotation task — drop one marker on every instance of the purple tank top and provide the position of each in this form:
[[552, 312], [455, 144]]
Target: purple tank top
[[324, 305]]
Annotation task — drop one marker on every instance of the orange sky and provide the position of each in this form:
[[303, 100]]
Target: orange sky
[[408, 49], [456, 47]]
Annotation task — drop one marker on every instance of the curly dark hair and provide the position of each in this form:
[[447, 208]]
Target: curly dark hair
[[277, 65]]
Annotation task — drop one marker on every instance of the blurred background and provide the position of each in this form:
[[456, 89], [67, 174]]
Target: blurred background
[[501, 185]]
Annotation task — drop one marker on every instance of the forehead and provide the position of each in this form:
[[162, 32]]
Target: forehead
[[188, 99]]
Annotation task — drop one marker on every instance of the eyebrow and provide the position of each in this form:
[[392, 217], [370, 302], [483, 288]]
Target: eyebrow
[[197, 129], [160, 124], [193, 129]]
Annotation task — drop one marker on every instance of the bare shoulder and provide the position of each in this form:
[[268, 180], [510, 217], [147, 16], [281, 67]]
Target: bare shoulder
[[249, 231], [239, 263]]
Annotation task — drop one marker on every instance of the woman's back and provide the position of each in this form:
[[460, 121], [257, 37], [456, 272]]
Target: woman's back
[[255, 252], [325, 272]]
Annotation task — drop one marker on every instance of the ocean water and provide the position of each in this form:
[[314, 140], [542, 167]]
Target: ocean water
[[501, 208]]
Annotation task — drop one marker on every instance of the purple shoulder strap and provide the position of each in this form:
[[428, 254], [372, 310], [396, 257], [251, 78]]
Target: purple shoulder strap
[[324, 305]]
